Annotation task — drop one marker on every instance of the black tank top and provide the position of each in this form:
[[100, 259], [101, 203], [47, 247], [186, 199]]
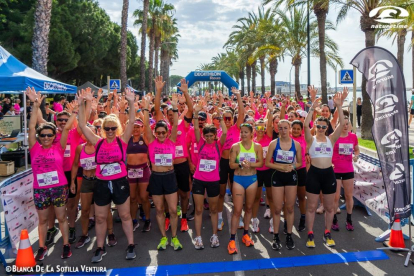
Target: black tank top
[[136, 147]]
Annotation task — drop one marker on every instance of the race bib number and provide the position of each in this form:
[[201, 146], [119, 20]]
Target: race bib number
[[111, 169], [179, 151], [251, 157], [323, 148], [284, 156], [265, 149], [207, 165], [67, 151], [46, 179], [88, 163], [163, 160], [346, 149], [195, 148], [135, 173]]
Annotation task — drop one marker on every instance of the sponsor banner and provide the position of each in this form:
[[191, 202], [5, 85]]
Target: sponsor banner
[[386, 88], [16, 194]]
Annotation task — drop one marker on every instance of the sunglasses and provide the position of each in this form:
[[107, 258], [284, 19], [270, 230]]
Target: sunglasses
[[98, 127], [201, 119], [62, 120], [46, 135], [110, 128], [260, 128], [160, 132], [245, 125], [227, 118], [321, 127]]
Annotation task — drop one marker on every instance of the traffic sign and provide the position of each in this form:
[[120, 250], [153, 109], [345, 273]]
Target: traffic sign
[[115, 84], [346, 76]]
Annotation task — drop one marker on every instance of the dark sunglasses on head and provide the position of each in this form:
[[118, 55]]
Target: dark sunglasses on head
[[321, 127], [227, 118], [110, 128], [161, 132], [62, 120], [50, 135]]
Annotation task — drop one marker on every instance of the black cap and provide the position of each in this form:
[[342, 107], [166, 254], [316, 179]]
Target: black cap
[[203, 115]]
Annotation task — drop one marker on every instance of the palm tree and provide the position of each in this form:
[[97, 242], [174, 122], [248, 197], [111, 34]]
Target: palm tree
[[143, 43], [40, 42], [169, 51], [123, 51]]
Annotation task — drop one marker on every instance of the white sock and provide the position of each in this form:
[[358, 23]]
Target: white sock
[[220, 215]]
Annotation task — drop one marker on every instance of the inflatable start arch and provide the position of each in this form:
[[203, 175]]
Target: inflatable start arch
[[221, 76]]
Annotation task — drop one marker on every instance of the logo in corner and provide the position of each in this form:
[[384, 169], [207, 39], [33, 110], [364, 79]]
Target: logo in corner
[[398, 172], [388, 14], [386, 104]]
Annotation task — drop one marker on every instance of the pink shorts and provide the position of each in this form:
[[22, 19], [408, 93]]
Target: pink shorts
[[134, 175]]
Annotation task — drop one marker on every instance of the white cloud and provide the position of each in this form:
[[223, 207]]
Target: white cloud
[[205, 25]]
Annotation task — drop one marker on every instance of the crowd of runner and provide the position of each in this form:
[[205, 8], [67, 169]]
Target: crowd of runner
[[131, 154]]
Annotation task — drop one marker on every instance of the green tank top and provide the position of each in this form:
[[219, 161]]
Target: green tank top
[[246, 154]]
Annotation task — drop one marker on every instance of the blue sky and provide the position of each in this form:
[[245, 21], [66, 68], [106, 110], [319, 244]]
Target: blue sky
[[205, 25]]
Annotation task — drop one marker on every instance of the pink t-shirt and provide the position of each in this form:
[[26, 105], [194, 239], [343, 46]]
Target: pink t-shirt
[[342, 154], [47, 166], [58, 107], [111, 166], [194, 147], [233, 136], [162, 154], [207, 168], [74, 139], [87, 161], [258, 115], [302, 104], [301, 140], [181, 149], [17, 109], [264, 142]]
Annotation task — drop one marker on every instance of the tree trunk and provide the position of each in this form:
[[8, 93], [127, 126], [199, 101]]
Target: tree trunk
[[143, 44], [123, 51], [40, 42], [412, 58], [400, 44], [167, 74], [156, 57], [262, 74], [320, 13], [241, 76], [151, 60], [273, 71], [367, 120], [297, 84], [248, 75], [254, 76], [164, 71]]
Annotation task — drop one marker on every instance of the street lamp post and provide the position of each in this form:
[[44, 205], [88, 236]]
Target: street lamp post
[[308, 32]]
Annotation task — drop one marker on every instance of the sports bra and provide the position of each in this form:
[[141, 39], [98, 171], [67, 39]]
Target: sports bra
[[321, 149], [136, 147], [250, 154], [284, 156]]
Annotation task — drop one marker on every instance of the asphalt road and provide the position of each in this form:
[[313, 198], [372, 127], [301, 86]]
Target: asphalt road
[[362, 239]]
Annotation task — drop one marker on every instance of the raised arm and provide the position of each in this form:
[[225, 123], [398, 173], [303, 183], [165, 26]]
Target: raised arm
[[189, 114], [90, 136], [240, 107], [197, 108], [223, 128], [338, 102], [36, 98], [159, 85], [308, 135], [269, 128], [129, 96], [174, 102], [148, 131]]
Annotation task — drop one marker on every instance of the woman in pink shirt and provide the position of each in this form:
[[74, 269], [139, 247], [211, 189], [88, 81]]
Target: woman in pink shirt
[[111, 172], [49, 181], [342, 159], [206, 176]]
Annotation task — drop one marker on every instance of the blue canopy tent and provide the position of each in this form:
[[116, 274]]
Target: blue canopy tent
[[15, 77]]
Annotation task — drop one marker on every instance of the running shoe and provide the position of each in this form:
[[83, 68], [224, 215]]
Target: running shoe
[[302, 225], [214, 241], [328, 240], [67, 253], [267, 214], [241, 223], [220, 224], [184, 225], [135, 225], [320, 210], [152, 204], [232, 247], [271, 230], [276, 245], [311, 241], [247, 240], [82, 241], [179, 211], [99, 253], [41, 253], [198, 243], [335, 226], [130, 252], [167, 224], [176, 244], [190, 217], [163, 243], [285, 227], [255, 223], [349, 226], [338, 211], [290, 244], [262, 202], [112, 240], [91, 224], [147, 226], [50, 237], [72, 235]]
